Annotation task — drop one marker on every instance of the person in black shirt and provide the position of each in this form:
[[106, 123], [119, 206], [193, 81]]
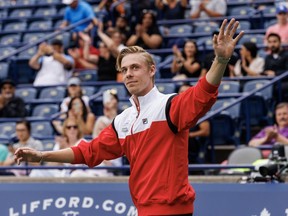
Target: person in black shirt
[[10, 105]]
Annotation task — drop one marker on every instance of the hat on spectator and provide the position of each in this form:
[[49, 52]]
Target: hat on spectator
[[7, 81], [74, 81], [281, 9], [67, 2]]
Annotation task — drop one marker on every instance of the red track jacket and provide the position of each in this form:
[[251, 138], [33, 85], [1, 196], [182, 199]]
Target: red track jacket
[[155, 141]]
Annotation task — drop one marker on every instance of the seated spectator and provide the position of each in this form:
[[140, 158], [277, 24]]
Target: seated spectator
[[277, 133], [146, 33], [250, 63], [71, 136], [186, 63], [110, 110], [23, 135], [78, 110], [197, 137], [76, 11], [10, 105], [54, 67], [281, 27], [122, 26], [84, 54], [171, 9], [73, 90], [208, 8]]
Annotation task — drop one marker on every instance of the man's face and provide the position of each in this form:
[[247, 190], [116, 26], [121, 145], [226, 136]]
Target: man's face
[[22, 132], [74, 4], [137, 74], [282, 116], [8, 91], [57, 48], [282, 17], [273, 44]]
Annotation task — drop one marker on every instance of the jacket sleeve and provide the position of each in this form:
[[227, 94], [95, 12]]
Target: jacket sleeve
[[187, 107], [105, 147]]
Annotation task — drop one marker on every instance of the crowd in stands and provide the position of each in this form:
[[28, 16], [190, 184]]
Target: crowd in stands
[[92, 49]]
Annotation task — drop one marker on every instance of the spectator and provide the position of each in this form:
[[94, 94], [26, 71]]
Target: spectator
[[281, 27], [74, 90], [78, 110], [110, 110], [146, 34], [276, 62], [250, 64], [208, 8], [277, 133], [23, 134], [76, 11], [10, 105], [71, 136], [186, 64], [197, 137], [122, 26], [84, 54], [54, 67], [171, 9]]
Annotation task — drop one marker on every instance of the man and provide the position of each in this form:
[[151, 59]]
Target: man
[[277, 133], [281, 27], [76, 11], [153, 133], [54, 67], [10, 105]]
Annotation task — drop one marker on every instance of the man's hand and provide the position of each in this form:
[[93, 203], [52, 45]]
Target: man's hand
[[28, 155], [224, 43]]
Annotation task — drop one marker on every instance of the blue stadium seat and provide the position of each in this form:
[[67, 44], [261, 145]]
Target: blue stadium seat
[[21, 72], [48, 144], [269, 10], [10, 39], [31, 37], [255, 38], [25, 3], [88, 76], [57, 93], [88, 90], [233, 111], [7, 130], [40, 25], [26, 93], [4, 70], [41, 129], [241, 11], [21, 13], [180, 29], [206, 42], [15, 26], [256, 84], [229, 87], [4, 51], [45, 12], [57, 23], [28, 53], [166, 88], [207, 28], [121, 90], [49, 2], [44, 110], [65, 38], [244, 25]]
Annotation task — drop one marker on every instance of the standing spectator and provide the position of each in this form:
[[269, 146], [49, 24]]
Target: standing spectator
[[281, 27], [250, 63], [84, 54], [54, 67], [186, 64], [208, 8], [153, 132], [23, 134], [146, 34], [277, 133], [76, 11], [171, 9], [10, 105], [73, 90]]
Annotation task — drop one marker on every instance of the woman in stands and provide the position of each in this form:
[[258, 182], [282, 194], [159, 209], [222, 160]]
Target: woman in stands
[[185, 64], [146, 34], [250, 63]]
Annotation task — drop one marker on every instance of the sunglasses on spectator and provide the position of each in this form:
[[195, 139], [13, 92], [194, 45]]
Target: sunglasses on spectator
[[72, 126]]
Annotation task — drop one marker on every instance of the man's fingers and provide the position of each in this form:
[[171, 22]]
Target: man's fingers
[[222, 28], [239, 36], [234, 28], [229, 27]]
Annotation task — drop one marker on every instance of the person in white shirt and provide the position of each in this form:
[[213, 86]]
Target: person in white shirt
[[54, 67]]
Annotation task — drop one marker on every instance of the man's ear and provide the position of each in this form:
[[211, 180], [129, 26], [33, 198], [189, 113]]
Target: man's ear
[[152, 70]]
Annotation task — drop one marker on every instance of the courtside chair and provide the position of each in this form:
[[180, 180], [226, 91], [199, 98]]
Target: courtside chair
[[244, 155], [56, 93]]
